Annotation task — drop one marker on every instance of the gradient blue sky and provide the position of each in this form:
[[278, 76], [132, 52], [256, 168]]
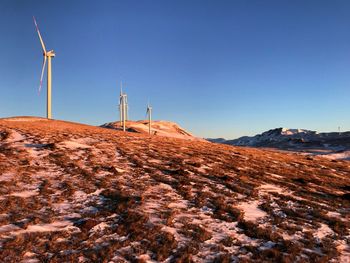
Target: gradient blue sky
[[218, 68]]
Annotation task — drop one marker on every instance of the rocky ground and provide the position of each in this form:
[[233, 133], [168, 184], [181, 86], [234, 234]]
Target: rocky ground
[[78, 193]]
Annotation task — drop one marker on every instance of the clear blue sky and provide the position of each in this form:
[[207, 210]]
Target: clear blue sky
[[218, 68]]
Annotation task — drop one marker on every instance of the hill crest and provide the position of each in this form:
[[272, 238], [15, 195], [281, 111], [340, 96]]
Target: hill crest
[[159, 128]]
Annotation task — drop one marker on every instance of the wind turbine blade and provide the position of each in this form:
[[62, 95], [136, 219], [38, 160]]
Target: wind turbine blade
[[41, 40], [42, 73], [121, 88]]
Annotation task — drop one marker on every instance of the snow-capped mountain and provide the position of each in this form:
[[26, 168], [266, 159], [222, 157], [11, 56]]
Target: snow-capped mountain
[[275, 136], [296, 140]]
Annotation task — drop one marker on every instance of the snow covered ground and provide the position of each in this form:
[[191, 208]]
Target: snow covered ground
[[77, 193], [344, 155]]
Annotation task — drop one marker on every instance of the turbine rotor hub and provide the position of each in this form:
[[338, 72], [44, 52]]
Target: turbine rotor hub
[[50, 53]]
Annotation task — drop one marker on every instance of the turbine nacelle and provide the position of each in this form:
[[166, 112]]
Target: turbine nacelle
[[149, 115], [50, 53]]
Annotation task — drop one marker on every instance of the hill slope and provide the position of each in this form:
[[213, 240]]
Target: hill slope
[[159, 128], [78, 193]]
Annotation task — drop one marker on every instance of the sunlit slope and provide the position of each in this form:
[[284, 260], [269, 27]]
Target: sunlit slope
[[158, 128], [72, 192]]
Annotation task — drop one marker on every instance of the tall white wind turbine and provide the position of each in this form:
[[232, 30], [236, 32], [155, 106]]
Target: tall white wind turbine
[[123, 106], [149, 114], [47, 56]]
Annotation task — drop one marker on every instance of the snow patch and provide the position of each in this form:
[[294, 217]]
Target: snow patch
[[251, 211], [54, 226], [344, 251], [323, 231], [274, 175], [5, 177], [73, 145], [8, 228], [15, 137], [334, 214], [99, 227], [25, 194], [271, 188], [337, 156]]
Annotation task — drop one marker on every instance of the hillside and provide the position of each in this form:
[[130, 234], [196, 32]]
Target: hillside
[[77, 193], [333, 145], [159, 128]]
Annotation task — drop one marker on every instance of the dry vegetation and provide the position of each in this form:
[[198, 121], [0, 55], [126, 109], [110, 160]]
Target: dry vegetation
[[76, 193]]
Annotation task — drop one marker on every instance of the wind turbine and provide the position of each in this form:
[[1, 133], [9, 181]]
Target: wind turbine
[[47, 56], [123, 106], [149, 114]]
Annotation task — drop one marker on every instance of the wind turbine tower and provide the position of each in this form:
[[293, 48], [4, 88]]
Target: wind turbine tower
[[123, 107], [149, 114], [121, 104], [47, 56]]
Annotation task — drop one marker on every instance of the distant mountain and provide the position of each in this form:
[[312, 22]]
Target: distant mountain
[[217, 140], [297, 140]]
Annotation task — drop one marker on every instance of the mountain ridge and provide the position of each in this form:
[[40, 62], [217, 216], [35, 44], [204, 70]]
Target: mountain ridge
[[301, 140]]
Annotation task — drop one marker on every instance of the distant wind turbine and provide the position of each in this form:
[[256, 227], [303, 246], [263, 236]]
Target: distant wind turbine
[[149, 114], [123, 106], [47, 56]]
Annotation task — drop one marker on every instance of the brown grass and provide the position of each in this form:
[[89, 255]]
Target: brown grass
[[126, 166]]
